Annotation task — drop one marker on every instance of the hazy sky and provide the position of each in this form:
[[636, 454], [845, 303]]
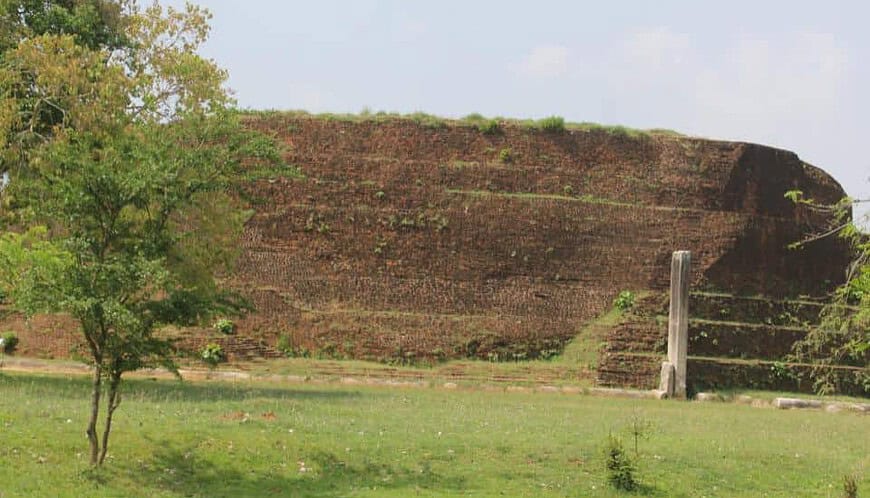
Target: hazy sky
[[792, 74]]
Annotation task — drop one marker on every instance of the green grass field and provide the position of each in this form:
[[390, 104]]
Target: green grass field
[[210, 439]]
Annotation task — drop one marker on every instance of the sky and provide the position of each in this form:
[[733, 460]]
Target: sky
[[791, 74]]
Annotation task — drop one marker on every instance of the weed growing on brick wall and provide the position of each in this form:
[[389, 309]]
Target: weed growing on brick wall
[[380, 246], [552, 124], [315, 223], [404, 358], [286, 346], [490, 127], [505, 155], [212, 354], [492, 348], [624, 301], [225, 326], [428, 120], [328, 351], [284, 343], [484, 125], [8, 342]]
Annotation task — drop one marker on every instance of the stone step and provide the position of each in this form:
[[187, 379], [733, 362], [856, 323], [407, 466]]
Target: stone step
[[641, 370], [742, 340], [760, 310], [717, 373]]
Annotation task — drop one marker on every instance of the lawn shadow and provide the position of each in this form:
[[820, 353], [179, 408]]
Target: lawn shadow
[[647, 490], [147, 390], [178, 470]]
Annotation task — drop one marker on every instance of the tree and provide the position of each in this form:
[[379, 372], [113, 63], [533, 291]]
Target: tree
[[843, 334], [95, 24], [121, 148]]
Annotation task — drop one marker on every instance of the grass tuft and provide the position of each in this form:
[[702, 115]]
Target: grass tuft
[[489, 126]]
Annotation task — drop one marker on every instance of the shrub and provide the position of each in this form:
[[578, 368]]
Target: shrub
[[328, 351], [553, 124], [490, 127], [284, 343], [286, 346], [620, 468], [9, 342], [427, 120], [624, 301], [850, 487], [505, 155], [212, 354], [380, 246], [225, 326], [781, 370], [639, 427], [439, 354]]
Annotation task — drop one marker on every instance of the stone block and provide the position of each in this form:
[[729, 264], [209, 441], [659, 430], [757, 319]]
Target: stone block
[[708, 397], [668, 374], [789, 403]]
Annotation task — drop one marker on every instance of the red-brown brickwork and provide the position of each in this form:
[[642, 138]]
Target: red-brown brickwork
[[407, 241]]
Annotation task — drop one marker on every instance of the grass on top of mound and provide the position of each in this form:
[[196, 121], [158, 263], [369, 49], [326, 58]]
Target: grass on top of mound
[[489, 126], [215, 439]]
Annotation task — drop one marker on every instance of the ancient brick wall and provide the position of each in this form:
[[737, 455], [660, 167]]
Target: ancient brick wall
[[416, 242], [404, 239]]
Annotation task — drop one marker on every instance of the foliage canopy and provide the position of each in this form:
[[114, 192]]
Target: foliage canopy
[[121, 145], [843, 335]]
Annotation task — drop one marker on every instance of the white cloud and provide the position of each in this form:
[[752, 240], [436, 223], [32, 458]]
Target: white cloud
[[655, 49], [778, 89], [646, 76], [544, 62], [760, 86], [412, 29], [406, 28], [311, 98]]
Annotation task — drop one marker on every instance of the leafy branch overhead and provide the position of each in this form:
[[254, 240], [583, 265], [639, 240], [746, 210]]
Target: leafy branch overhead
[[843, 335], [122, 147]]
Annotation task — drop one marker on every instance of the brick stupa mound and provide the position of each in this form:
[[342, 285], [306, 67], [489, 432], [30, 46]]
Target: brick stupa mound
[[406, 241]]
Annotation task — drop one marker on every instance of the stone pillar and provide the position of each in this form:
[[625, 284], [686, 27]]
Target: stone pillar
[[666, 385], [678, 321]]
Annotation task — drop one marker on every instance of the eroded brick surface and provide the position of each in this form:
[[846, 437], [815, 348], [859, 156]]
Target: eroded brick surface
[[404, 241]]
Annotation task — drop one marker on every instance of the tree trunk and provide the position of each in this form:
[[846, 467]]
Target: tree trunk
[[95, 413], [112, 404]]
